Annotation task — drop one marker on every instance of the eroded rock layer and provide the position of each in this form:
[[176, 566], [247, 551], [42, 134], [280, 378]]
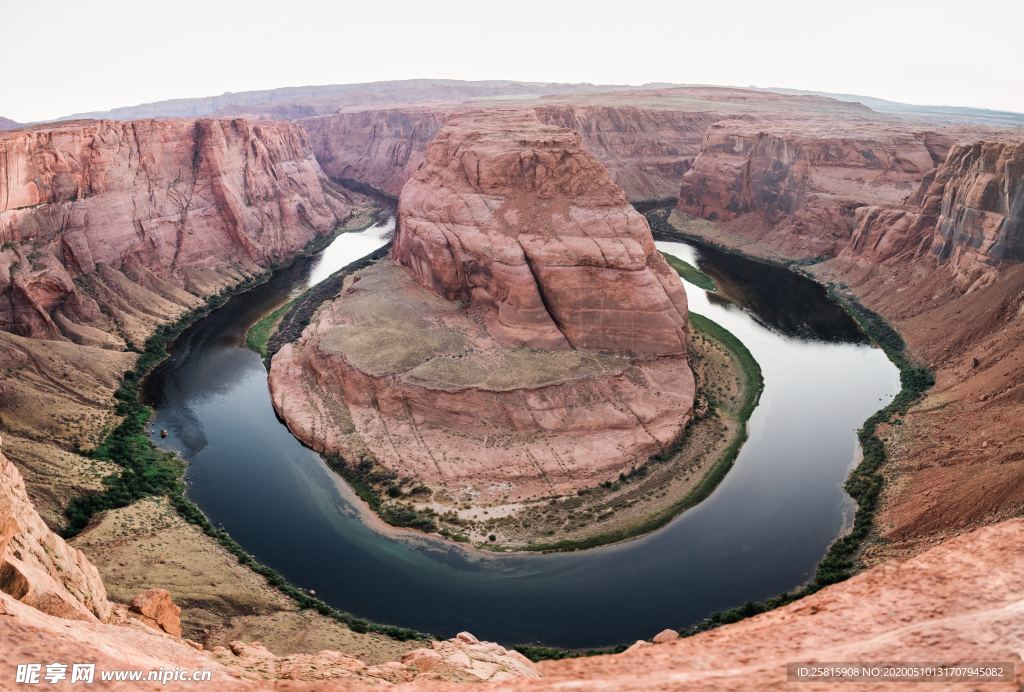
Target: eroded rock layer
[[109, 228], [969, 214], [529, 342], [800, 183]]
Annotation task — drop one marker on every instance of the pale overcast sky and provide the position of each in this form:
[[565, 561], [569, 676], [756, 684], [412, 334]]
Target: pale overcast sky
[[64, 56]]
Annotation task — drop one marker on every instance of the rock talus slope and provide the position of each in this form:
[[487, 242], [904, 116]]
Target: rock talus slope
[[530, 340]]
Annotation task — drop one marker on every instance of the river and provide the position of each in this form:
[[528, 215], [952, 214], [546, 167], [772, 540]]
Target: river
[[761, 532]]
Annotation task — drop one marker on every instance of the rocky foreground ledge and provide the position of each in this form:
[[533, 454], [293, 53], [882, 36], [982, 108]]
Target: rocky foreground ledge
[[526, 339]]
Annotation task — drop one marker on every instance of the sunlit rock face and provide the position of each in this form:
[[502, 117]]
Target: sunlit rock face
[[115, 226]]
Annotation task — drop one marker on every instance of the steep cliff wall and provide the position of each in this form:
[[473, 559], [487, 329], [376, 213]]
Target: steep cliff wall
[[380, 148], [536, 341], [521, 222], [36, 566], [968, 214], [110, 227], [646, 150], [798, 184]]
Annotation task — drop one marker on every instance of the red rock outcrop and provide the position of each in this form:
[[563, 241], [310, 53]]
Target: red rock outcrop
[[111, 227], [799, 183], [968, 214], [155, 608], [534, 344], [513, 217], [36, 566]]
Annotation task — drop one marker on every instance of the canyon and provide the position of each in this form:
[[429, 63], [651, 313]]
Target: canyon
[[943, 265], [110, 231], [112, 228], [93, 213], [646, 139], [539, 339]]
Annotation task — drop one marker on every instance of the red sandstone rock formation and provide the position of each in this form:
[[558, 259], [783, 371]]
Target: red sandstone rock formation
[[155, 608], [543, 349], [958, 602], [521, 223], [36, 566], [968, 214], [380, 148], [801, 182], [116, 226]]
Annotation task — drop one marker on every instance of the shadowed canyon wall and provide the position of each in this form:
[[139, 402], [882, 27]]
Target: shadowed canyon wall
[[802, 181]]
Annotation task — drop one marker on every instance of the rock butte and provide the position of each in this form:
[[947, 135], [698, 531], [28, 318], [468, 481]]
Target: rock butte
[[527, 341]]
